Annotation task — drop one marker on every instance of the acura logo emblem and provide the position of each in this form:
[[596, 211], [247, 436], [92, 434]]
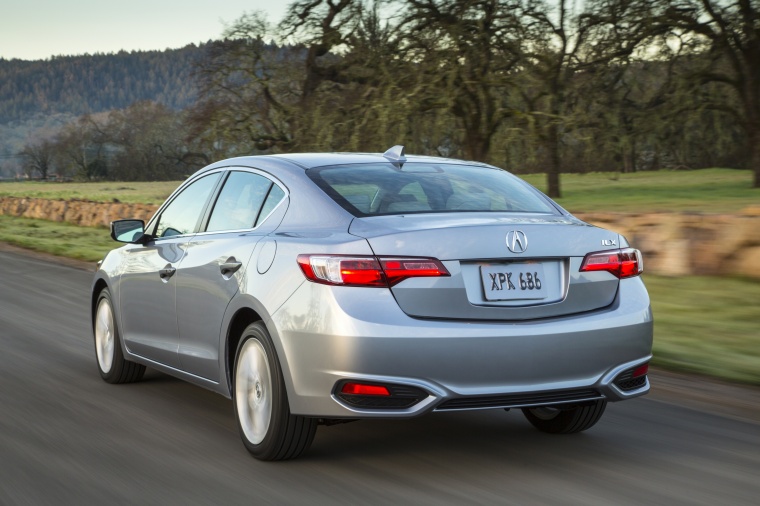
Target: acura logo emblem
[[517, 241]]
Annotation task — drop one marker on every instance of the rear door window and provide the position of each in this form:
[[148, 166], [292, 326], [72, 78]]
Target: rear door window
[[245, 201], [239, 202]]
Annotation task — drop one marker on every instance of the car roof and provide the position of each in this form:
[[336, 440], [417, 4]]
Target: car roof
[[311, 160]]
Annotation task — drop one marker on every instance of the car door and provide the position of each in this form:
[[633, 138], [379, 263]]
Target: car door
[[147, 285], [214, 266]]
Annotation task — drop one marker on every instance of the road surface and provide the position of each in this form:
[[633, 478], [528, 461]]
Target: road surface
[[66, 437]]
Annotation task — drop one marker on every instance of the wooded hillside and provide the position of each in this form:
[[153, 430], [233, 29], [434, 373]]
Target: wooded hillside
[[94, 83]]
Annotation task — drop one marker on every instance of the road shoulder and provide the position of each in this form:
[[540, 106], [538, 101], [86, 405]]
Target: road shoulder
[[733, 400], [27, 253]]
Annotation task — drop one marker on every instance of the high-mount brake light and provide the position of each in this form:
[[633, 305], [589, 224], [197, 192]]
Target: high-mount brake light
[[367, 270], [623, 263]]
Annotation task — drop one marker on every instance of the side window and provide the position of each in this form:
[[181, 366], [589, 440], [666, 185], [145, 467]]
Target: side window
[[182, 214], [239, 202], [275, 196]]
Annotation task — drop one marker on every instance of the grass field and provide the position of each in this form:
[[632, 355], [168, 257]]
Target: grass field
[[131, 192], [706, 190]]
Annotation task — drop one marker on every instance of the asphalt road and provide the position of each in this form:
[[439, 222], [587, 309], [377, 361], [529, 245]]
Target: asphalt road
[[66, 437]]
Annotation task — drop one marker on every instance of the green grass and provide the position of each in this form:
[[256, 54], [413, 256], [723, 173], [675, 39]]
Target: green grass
[[62, 239], [130, 192], [705, 191], [707, 325]]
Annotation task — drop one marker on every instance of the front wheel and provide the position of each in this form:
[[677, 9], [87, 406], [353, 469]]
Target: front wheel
[[113, 367], [558, 420], [268, 429]]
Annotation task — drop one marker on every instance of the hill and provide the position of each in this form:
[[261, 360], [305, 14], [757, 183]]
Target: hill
[[77, 85]]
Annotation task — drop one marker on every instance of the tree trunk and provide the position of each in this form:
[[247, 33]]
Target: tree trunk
[[755, 160], [753, 136], [552, 173], [477, 145]]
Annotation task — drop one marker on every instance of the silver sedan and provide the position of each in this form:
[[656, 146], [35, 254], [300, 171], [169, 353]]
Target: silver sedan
[[320, 288]]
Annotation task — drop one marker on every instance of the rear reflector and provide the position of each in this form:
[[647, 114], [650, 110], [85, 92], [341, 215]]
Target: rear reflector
[[364, 389], [367, 270], [642, 370], [623, 263], [632, 379], [369, 395]]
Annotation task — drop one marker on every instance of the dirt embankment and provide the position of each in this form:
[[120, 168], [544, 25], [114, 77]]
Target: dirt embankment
[[79, 212], [675, 244]]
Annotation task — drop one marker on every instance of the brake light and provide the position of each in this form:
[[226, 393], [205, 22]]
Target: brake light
[[623, 263], [367, 270]]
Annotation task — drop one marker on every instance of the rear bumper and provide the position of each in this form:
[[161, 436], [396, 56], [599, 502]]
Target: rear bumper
[[326, 334]]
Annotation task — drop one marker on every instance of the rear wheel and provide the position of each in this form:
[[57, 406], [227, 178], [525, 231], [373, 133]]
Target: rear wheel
[[556, 420], [267, 428], [113, 367]]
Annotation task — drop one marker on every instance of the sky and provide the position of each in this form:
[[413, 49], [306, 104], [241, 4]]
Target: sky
[[39, 29]]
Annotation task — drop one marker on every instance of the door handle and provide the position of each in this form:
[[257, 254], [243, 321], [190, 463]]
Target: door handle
[[230, 266], [167, 272]]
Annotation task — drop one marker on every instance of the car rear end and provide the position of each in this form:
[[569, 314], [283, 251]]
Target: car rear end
[[465, 289]]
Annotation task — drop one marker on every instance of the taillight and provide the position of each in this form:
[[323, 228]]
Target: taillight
[[398, 269], [367, 270], [623, 263]]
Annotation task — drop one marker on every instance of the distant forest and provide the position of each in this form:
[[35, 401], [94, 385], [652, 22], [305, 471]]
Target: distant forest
[[95, 83], [550, 86]]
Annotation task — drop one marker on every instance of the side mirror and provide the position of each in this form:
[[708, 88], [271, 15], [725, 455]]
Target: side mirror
[[129, 231]]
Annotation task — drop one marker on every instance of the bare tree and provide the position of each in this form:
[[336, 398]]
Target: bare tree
[[83, 144], [38, 157], [465, 54], [567, 40], [726, 36]]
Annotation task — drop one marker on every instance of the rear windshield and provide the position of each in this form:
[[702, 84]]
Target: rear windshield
[[382, 189]]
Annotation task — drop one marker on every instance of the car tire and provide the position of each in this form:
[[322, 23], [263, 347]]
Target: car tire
[[556, 420], [113, 367], [268, 430]]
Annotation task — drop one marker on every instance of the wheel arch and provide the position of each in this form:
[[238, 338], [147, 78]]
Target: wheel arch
[[240, 320], [241, 312], [98, 285]]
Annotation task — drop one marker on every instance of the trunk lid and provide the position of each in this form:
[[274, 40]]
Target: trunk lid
[[537, 278]]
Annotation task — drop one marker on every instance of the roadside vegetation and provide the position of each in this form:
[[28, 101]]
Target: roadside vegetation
[[61, 239], [707, 325]]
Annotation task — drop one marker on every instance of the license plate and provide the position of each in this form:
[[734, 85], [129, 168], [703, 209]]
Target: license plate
[[517, 281]]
